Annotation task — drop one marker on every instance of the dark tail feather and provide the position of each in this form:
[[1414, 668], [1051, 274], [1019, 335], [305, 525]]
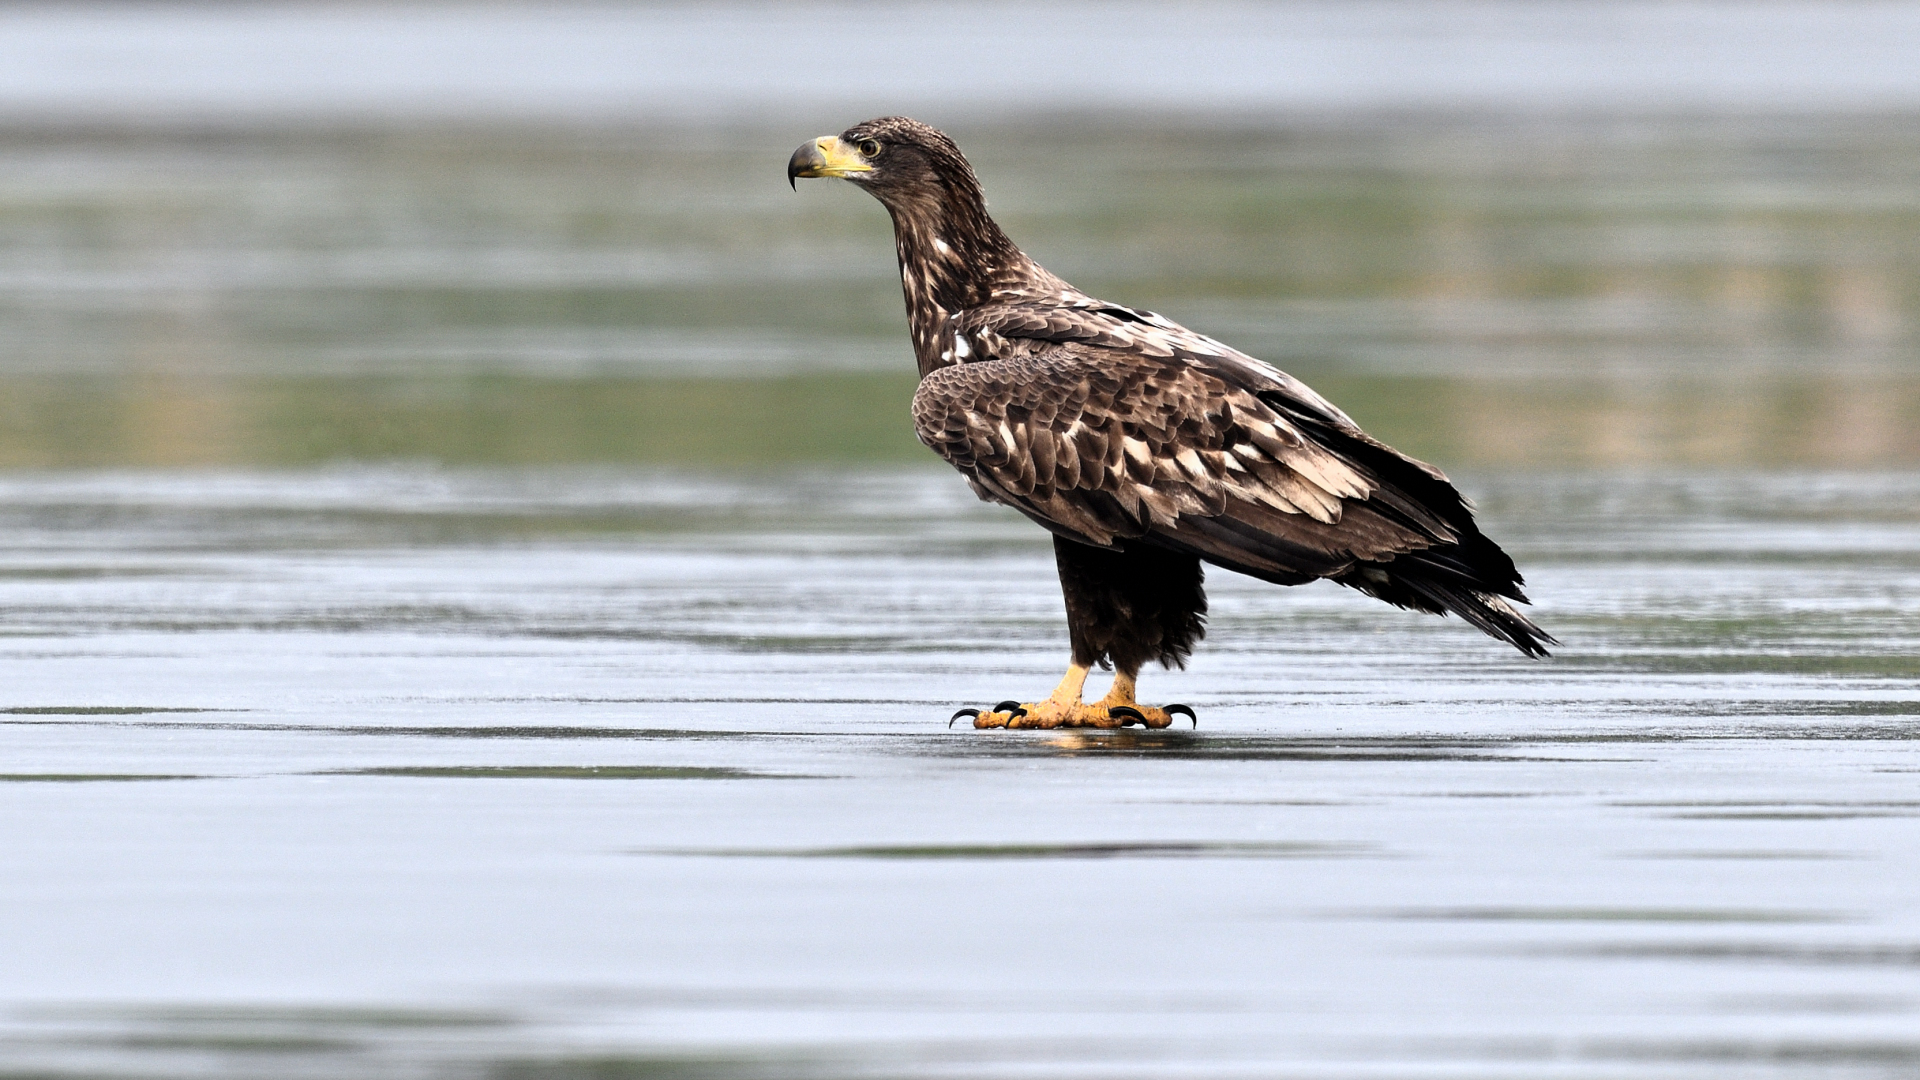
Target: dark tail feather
[[1470, 577], [1408, 584], [1492, 614]]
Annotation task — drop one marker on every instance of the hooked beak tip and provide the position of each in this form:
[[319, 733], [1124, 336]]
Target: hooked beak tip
[[806, 161], [825, 156]]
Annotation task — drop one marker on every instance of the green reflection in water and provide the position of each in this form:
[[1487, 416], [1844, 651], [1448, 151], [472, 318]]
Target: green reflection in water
[[860, 417], [92, 778], [483, 420], [1479, 292]]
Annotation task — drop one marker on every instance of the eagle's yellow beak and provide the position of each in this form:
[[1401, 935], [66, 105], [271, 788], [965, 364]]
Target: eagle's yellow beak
[[827, 155]]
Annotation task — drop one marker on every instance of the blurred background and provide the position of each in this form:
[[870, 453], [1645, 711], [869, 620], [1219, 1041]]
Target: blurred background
[[472, 606], [1500, 234]]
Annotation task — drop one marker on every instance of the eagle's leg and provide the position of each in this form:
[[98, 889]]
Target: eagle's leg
[[1063, 708], [1125, 606]]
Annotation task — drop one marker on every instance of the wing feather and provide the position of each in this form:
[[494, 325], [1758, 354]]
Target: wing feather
[[1107, 424], [1104, 445]]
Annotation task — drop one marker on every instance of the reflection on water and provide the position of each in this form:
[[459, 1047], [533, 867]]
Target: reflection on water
[[726, 422], [598, 772], [1828, 419], [1491, 292]]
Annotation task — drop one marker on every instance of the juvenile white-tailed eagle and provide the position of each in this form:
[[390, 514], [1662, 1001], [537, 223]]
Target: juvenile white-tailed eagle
[[1145, 448]]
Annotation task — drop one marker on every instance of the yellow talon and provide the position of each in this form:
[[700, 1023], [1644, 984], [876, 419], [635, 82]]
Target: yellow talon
[[1065, 709]]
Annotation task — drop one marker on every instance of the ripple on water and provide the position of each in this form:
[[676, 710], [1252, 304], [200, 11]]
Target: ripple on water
[[1390, 847]]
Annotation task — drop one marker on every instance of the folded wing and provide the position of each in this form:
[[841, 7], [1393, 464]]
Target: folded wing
[[1110, 430]]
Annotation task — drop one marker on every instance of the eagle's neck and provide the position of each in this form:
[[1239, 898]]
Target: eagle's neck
[[952, 258]]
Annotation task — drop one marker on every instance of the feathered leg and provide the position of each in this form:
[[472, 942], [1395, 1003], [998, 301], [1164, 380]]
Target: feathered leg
[[1125, 606]]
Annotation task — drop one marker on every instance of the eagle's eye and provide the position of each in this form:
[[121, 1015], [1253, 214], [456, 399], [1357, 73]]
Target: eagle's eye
[[870, 148]]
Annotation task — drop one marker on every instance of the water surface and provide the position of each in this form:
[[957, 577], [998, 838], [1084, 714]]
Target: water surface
[[1494, 291], [392, 771], [471, 604]]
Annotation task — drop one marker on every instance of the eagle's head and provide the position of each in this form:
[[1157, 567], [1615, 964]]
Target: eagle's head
[[952, 256], [898, 160]]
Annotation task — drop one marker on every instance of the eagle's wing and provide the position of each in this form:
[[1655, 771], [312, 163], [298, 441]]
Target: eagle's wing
[[1107, 427], [1015, 326], [1099, 444]]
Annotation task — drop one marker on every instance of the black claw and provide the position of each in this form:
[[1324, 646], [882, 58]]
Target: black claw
[[1011, 708], [1128, 712], [1177, 708], [961, 713]]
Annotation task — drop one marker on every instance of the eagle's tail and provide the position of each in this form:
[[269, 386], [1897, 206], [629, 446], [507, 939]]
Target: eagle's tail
[[1470, 576], [1432, 581]]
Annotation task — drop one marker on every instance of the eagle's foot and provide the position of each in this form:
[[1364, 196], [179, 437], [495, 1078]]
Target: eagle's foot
[[1119, 702], [1065, 709], [1149, 716], [1053, 713]]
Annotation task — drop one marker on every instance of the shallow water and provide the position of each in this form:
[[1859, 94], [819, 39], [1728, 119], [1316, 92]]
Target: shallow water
[[1480, 291], [405, 772], [395, 682]]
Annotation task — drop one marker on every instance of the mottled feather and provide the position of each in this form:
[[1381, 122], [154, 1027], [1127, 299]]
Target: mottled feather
[[1116, 427]]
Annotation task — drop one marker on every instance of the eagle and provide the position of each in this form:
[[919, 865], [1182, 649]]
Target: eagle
[[1146, 449]]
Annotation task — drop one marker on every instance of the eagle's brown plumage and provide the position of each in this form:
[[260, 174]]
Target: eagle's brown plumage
[[1144, 447]]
